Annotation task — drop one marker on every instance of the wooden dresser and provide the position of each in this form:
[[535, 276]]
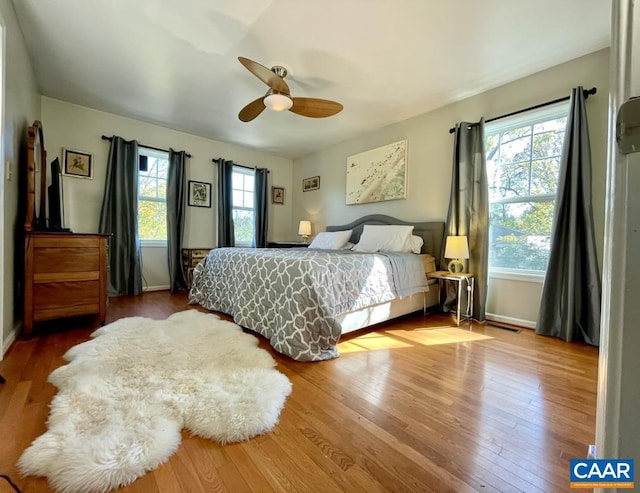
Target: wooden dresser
[[65, 276]]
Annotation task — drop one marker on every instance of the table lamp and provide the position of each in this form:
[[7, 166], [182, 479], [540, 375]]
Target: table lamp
[[304, 230], [456, 248]]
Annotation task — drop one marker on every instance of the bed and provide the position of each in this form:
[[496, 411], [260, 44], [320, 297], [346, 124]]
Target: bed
[[303, 300]]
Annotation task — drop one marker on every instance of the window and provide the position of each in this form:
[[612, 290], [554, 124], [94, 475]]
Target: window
[[243, 206], [523, 163], [152, 196]]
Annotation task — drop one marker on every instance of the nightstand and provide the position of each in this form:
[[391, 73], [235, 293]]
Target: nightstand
[[287, 244], [190, 258], [460, 278]]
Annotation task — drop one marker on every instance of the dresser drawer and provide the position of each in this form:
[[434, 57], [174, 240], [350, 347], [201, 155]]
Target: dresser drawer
[[67, 241], [50, 295], [61, 259]]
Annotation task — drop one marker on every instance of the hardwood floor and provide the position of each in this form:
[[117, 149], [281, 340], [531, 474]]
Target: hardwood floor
[[416, 405]]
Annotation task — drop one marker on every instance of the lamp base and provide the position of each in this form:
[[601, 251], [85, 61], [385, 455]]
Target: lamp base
[[304, 238], [456, 266]]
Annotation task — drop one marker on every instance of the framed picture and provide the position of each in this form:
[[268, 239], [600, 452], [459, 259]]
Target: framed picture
[[199, 194], [377, 175], [277, 195], [78, 164], [312, 183]]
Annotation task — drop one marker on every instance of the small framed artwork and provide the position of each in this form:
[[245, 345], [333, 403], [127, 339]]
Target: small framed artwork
[[277, 195], [78, 164], [312, 183], [199, 194]]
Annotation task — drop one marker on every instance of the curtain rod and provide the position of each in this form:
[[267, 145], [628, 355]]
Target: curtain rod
[[104, 137], [586, 92], [239, 165]]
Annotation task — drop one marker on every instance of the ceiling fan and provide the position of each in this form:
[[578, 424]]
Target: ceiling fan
[[278, 97]]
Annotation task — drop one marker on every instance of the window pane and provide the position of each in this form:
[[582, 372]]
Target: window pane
[[152, 220], [492, 147], [515, 150], [243, 225], [516, 133], [163, 168], [237, 181], [153, 167], [520, 235], [147, 186], [237, 198], [162, 189], [248, 182], [547, 144], [509, 180], [544, 176], [248, 199], [557, 125]]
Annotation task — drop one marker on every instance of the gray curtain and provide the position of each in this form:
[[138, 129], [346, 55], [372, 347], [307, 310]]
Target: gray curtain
[[570, 305], [260, 208], [469, 210], [175, 219], [226, 237], [119, 217]]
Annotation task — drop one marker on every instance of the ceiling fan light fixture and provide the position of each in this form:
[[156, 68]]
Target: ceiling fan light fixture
[[278, 102]]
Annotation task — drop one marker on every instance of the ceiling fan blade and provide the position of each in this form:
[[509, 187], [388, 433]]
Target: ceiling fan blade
[[267, 76], [252, 110], [315, 108]]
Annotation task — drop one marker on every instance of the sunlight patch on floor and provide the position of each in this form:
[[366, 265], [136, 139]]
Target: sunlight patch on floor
[[371, 342], [429, 336]]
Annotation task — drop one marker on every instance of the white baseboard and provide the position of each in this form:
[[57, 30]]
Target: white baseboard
[[529, 324], [6, 344], [156, 288]]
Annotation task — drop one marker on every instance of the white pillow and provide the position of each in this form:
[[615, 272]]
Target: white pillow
[[334, 240], [415, 244], [384, 239]]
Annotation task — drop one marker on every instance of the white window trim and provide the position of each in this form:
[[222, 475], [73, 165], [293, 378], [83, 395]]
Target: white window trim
[[535, 276], [153, 243], [559, 110]]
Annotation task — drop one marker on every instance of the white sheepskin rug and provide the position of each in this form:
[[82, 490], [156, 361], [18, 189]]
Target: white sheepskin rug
[[125, 396]]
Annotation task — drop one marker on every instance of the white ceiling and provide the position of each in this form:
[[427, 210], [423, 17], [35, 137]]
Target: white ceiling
[[174, 62]]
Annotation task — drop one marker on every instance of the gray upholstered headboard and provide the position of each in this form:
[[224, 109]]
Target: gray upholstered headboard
[[431, 232]]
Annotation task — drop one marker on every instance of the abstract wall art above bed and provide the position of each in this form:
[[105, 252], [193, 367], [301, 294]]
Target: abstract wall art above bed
[[377, 175]]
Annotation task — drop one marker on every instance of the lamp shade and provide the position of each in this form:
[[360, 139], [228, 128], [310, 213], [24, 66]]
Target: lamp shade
[[456, 247], [278, 102], [305, 228]]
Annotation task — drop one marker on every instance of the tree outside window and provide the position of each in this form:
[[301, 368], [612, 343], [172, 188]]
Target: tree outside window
[[152, 195], [243, 188], [523, 164]]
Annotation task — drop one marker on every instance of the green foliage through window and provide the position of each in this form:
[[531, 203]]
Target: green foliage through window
[[243, 188], [152, 197], [523, 164]]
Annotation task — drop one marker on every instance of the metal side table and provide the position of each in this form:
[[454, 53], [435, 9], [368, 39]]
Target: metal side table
[[460, 278]]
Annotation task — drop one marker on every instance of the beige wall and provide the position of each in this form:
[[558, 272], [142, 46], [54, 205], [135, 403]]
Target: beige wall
[[430, 158], [72, 126], [20, 107]]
